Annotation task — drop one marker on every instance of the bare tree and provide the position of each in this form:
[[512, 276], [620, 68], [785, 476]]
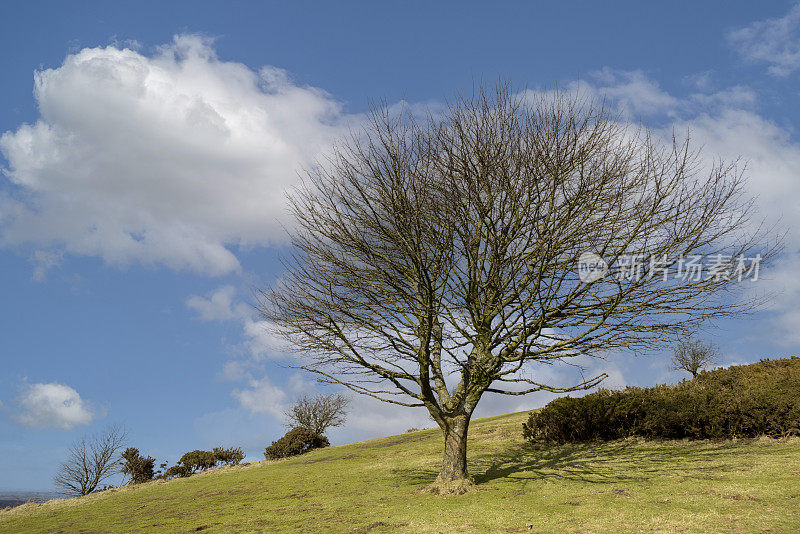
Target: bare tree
[[91, 460], [436, 259], [692, 355], [318, 413]]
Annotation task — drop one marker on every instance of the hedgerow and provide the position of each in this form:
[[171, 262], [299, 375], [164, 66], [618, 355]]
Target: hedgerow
[[741, 401]]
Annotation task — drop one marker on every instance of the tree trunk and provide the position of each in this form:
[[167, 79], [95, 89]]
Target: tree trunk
[[454, 461]]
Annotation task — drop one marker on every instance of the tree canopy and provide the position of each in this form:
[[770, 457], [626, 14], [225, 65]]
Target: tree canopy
[[438, 258]]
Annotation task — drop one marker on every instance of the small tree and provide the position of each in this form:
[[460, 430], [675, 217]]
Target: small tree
[[136, 466], [692, 355], [91, 460], [318, 413]]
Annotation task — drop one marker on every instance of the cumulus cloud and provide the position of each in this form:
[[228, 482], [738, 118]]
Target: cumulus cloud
[[772, 41], [53, 405], [167, 159], [772, 157]]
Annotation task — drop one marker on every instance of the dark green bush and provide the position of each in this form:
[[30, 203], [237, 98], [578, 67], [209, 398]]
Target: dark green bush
[[741, 401], [176, 471], [231, 456], [139, 468], [196, 461], [296, 441]]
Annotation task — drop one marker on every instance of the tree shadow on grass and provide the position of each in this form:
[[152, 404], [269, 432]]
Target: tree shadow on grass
[[596, 463], [619, 461]]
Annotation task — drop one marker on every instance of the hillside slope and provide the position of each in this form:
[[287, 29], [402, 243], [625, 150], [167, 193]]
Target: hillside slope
[[372, 486]]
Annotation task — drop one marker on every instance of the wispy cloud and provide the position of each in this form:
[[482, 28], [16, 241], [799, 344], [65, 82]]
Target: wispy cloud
[[772, 41], [44, 261], [258, 340]]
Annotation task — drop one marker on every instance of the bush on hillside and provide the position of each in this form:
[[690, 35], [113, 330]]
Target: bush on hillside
[[296, 441], [231, 456], [176, 471], [196, 461], [136, 466], [741, 401]]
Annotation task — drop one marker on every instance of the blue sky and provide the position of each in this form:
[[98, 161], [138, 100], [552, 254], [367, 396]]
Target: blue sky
[[146, 147]]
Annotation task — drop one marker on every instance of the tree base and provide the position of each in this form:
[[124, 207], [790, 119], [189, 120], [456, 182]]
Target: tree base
[[451, 487]]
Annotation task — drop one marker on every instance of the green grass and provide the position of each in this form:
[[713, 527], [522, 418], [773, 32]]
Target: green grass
[[373, 486]]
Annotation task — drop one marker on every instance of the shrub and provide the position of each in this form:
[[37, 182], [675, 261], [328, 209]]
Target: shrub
[[231, 456], [137, 467], [196, 461], [176, 471], [741, 401], [296, 441]]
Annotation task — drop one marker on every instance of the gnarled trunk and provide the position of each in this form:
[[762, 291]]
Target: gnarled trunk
[[454, 462]]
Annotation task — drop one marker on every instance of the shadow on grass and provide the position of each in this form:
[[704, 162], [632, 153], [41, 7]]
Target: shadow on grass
[[596, 463]]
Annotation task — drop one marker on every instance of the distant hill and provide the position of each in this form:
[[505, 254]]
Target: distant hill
[[10, 499]]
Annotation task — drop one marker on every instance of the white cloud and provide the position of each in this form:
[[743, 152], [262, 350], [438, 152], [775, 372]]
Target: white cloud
[[772, 41], [262, 396], [640, 98], [773, 158], [236, 370], [633, 92], [169, 159], [370, 418], [217, 306], [727, 125], [53, 405], [259, 340]]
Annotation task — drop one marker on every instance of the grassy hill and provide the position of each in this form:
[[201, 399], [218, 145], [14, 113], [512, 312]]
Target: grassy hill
[[373, 486]]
